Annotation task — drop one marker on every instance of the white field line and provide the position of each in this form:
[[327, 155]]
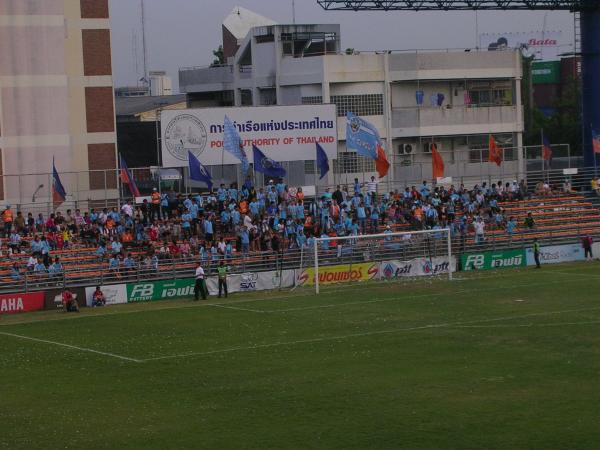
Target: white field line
[[530, 325], [367, 333], [328, 290], [218, 305], [411, 297], [72, 347]]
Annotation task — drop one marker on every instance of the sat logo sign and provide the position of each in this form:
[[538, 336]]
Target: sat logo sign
[[248, 282]]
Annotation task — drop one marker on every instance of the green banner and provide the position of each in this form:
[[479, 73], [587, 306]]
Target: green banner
[[160, 290], [545, 72], [493, 260]]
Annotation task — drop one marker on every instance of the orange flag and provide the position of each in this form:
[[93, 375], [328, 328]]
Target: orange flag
[[381, 163], [437, 162], [495, 152]]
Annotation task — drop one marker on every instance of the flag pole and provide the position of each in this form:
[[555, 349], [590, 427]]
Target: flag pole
[[544, 172], [222, 164], [593, 152]]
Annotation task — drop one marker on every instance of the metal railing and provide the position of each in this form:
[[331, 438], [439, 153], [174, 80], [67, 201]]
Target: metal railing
[[353, 253]]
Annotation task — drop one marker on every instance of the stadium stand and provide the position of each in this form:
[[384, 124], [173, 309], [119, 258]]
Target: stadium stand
[[265, 229]]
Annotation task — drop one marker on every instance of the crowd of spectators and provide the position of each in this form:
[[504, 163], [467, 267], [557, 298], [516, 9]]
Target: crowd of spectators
[[230, 221]]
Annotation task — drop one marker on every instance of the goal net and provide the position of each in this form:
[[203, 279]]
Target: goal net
[[385, 256]]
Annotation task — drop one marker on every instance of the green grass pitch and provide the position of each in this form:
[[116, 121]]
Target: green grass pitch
[[493, 360]]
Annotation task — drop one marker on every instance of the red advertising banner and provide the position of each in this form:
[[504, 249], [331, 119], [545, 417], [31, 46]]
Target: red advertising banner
[[18, 303]]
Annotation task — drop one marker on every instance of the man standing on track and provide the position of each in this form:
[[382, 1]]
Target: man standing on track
[[536, 253], [222, 271], [587, 242], [200, 287]]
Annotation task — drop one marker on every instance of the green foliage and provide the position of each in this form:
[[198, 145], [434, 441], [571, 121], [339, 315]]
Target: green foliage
[[219, 55], [562, 128]]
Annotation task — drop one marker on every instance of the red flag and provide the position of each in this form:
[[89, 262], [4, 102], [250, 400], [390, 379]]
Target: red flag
[[596, 141], [381, 163], [495, 152], [437, 162]]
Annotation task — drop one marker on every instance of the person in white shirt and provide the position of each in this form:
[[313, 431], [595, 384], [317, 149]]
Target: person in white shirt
[[479, 230], [200, 287], [127, 209], [372, 186]]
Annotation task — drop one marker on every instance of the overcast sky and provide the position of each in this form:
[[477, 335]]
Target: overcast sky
[[183, 33]]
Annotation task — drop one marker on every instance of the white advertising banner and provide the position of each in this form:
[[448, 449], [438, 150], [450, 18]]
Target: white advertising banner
[[417, 267], [544, 45], [556, 254], [596, 249], [253, 281], [282, 133], [115, 294]]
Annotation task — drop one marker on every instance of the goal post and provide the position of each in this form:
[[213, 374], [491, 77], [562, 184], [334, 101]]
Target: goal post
[[389, 255]]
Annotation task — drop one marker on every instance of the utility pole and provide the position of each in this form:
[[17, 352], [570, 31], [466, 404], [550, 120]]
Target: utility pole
[[145, 53], [294, 12]]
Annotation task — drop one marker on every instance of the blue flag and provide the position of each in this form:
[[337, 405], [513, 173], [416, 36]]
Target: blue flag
[[232, 142], [198, 172], [322, 161], [59, 195], [361, 136], [266, 165]]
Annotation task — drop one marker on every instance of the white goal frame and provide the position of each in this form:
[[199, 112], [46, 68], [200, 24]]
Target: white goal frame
[[318, 240]]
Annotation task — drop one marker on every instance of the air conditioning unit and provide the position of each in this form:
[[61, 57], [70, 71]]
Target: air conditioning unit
[[427, 146], [405, 149]]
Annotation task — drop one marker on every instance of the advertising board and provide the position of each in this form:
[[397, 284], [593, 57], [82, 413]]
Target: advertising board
[[338, 274], [19, 303], [493, 260], [557, 254], [184, 288], [115, 294], [283, 133], [417, 267]]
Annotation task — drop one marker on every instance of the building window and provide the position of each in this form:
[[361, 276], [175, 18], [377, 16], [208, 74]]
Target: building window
[[314, 100], [309, 167], [351, 162], [246, 97], [303, 44], [360, 105], [268, 97], [490, 93]]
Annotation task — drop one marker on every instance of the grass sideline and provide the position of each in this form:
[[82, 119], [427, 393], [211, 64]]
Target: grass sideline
[[504, 359]]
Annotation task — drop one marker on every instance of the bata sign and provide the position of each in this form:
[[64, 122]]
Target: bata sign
[[18, 303], [283, 133], [338, 274]]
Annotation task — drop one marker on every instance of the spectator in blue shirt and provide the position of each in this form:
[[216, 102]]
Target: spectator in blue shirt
[[15, 273], [245, 240]]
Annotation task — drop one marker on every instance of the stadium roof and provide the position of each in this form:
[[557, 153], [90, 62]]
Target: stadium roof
[[131, 106]]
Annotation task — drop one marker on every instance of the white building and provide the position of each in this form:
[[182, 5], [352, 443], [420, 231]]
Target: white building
[[453, 98], [160, 84]]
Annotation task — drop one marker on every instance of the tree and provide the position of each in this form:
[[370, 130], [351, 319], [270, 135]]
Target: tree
[[564, 127], [219, 55]]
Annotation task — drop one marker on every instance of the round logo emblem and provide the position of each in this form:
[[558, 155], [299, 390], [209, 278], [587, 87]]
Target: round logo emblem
[[185, 133], [267, 163], [355, 124]]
